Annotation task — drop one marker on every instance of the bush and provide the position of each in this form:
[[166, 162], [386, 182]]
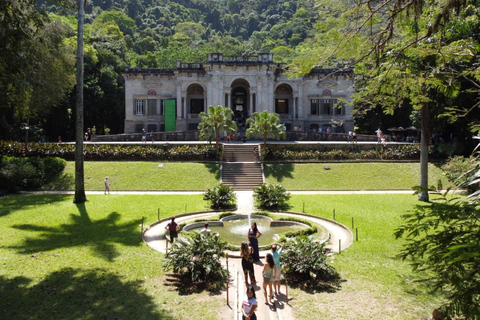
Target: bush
[[271, 196], [25, 173], [322, 153], [197, 256], [456, 170], [112, 152], [305, 265], [221, 197]]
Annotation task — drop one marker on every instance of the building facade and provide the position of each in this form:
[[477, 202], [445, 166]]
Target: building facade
[[172, 99]]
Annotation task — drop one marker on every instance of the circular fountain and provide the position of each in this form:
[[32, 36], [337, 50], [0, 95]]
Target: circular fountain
[[234, 228]]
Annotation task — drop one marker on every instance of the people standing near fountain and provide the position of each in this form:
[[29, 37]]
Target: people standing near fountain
[[253, 235], [249, 305], [269, 272], [276, 251], [247, 262], [205, 228], [173, 229]]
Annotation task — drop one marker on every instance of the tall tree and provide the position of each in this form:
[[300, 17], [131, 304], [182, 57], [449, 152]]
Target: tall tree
[[401, 53], [216, 120], [80, 196], [265, 124]]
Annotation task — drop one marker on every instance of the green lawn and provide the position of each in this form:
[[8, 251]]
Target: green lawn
[[350, 176], [200, 177], [376, 284], [133, 175], [65, 261]]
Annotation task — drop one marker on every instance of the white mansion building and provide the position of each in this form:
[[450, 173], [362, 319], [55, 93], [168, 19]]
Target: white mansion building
[[172, 99]]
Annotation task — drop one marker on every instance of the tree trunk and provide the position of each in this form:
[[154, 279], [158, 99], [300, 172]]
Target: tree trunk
[[79, 172], [424, 142]]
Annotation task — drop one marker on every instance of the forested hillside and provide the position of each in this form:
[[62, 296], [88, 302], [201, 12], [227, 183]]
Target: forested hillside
[[158, 32]]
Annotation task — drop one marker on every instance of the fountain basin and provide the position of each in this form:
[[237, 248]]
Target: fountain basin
[[234, 228]]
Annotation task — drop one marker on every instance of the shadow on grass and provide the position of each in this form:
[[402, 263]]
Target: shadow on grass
[[279, 171], [100, 236], [64, 181], [13, 202], [214, 168], [183, 284], [76, 294]]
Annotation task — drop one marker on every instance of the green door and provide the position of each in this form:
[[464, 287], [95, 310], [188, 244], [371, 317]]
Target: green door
[[170, 115]]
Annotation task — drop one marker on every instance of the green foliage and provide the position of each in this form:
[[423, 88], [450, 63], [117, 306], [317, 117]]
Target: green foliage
[[111, 152], [20, 173], [221, 197], [305, 265], [306, 152], [197, 256], [442, 237], [265, 124], [457, 170], [215, 121], [271, 196]]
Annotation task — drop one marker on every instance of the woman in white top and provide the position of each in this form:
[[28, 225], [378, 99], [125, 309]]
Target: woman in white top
[[249, 305]]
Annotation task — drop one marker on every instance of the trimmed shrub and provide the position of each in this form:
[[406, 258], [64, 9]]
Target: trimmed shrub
[[112, 152], [25, 173], [313, 153], [271, 196], [307, 265], [221, 197], [197, 256]]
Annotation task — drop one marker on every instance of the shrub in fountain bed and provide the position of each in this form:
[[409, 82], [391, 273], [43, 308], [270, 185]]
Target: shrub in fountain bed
[[307, 265], [221, 197], [271, 196], [197, 256]]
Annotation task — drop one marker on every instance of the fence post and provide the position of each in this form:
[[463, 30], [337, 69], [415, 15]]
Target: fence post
[[356, 231], [352, 224], [286, 291]]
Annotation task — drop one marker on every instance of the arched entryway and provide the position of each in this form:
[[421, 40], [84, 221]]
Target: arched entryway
[[240, 100], [195, 100]]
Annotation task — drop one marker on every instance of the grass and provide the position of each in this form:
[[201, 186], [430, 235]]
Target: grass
[[59, 260], [133, 175], [351, 176], [200, 177], [65, 261], [377, 285]]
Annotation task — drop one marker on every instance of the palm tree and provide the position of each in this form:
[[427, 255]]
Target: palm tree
[[265, 124], [80, 196], [217, 119]]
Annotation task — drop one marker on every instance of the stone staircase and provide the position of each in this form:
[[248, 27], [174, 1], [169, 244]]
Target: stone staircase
[[239, 171]]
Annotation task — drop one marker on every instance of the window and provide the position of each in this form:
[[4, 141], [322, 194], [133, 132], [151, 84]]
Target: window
[[139, 107], [162, 107], [314, 106], [152, 128], [152, 107], [339, 108], [281, 106], [326, 106]]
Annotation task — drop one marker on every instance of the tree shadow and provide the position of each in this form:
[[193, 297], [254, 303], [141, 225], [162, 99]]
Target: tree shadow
[[279, 171], [213, 168], [100, 235], [13, 202], [76, 294], [64, 181], [183, 284]]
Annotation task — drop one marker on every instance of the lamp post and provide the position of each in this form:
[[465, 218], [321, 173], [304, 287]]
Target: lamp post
[[26, 128]]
